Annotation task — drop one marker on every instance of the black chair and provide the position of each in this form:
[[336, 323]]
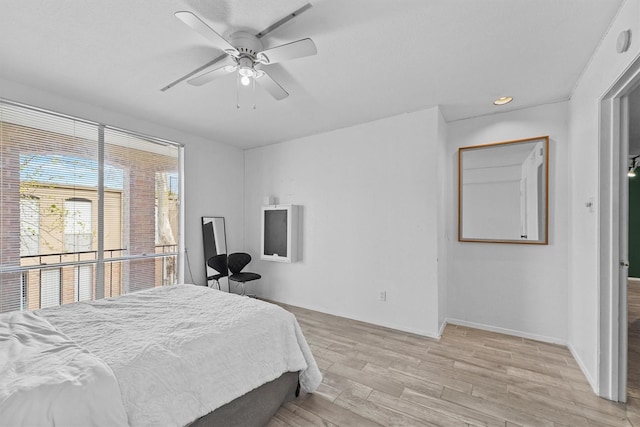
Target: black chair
[[236, 262], [219, 264]]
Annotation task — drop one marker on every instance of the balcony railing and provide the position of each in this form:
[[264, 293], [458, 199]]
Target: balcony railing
[[72, 276]]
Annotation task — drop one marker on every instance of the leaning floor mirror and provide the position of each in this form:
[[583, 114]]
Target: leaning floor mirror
[[503, 192], [214, 238]]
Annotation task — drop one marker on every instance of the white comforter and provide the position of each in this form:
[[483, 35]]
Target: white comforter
[[179, 352], [47, 379]]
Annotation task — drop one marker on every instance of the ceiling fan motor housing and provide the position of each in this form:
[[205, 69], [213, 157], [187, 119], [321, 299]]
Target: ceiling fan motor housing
[[247, 44]]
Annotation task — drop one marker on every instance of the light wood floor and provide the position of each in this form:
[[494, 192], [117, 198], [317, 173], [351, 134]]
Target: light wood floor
[[375, 376], [633, 355]]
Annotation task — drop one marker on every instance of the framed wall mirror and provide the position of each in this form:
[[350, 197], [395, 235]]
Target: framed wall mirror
[[214, 238], [503, 192]]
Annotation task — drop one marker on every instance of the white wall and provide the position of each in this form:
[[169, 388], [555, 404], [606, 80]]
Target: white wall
[[513, 288], [370, 220], [443, 214], [214, 181], [603, 71], [214, 172]]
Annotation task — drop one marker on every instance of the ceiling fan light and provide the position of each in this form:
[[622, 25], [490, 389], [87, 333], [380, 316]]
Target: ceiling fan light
[[503, 100], [246, 71], [245, 80]]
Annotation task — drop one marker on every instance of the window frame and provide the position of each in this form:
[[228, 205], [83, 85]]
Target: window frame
[[100, 261]]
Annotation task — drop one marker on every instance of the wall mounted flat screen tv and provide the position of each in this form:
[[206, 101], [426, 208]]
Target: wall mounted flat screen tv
[[275, 232]]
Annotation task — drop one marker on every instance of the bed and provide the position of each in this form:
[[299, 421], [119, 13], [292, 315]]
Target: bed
[[172, 356]]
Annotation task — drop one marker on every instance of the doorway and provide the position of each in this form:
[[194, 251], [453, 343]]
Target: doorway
[[613, 223], [633, 245]]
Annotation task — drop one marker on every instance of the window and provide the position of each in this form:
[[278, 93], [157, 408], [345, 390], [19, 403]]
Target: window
[[100, 207], [23, 291], [29, 226], [148, 215], [49, 288], [77, 225], [83, 282]]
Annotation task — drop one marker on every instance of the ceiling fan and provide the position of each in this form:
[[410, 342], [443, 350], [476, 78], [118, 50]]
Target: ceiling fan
[[245, 54]]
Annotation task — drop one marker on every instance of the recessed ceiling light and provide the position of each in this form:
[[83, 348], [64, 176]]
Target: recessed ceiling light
[[503, 100]]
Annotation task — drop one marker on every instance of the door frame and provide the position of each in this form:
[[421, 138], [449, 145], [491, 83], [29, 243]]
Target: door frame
[[613, 221]]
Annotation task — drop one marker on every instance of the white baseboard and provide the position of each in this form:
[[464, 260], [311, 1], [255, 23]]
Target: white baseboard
[[536, 337], [401, 328], [592, 383], [634, 280], [441, 331], [378, 323]]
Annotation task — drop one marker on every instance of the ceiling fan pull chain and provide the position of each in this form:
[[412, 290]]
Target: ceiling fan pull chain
[[238, 91], [253, 79]]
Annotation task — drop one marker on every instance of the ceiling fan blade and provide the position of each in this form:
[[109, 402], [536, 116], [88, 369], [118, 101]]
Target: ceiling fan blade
[[272, 86], [198, 25], [212, 75], [297, 49], [224, 58], [283, 21]]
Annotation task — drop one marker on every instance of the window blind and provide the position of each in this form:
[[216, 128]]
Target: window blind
[[78, 230], [145, 222], [49, 288], [29, 226], [83, 200]]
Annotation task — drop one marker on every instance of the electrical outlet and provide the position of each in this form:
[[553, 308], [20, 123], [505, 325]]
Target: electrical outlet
[[382, 296]]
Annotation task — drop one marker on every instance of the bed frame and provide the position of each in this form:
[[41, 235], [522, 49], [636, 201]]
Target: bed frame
[[255, 408]]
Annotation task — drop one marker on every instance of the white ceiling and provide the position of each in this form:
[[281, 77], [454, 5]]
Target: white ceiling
[[376, 58]]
